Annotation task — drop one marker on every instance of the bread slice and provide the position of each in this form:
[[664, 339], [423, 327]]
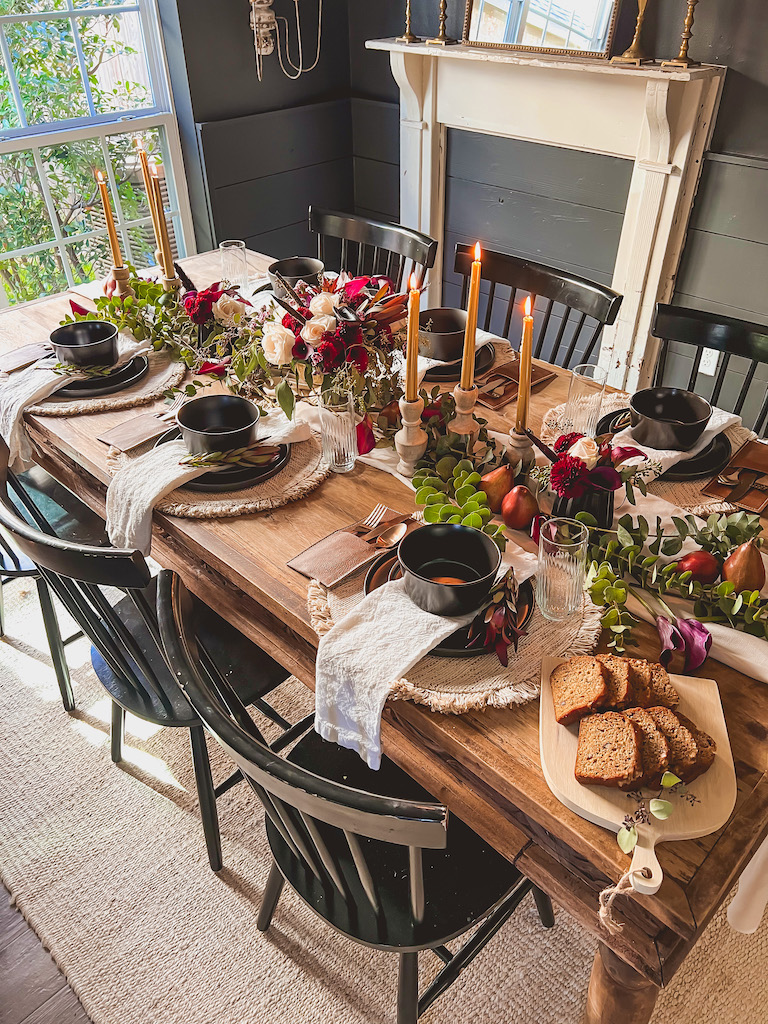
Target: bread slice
[[617, 672], [640, 689], [683, 748], [663, 692], [705, 743], [654, 748], [609, 751], [578, 686]]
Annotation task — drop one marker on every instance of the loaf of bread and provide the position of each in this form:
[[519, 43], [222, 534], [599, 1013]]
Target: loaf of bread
[[689, 755], [609, 751], [654, 747], [640, 676], [663, 692], [617, 679], [578, 687], [705, 743]]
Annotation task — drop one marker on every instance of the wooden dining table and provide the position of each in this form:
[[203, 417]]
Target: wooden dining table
[[484, 764]]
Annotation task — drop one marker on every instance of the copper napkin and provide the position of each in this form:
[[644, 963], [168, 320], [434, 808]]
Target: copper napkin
[[135, 431], [509, 370], [752, 455]]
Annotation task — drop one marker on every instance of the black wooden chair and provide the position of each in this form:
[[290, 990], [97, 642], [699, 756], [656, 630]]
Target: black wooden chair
[[73, 520], [370, 852], [373, 246], [698, 330], [127, 655], [582, 307]]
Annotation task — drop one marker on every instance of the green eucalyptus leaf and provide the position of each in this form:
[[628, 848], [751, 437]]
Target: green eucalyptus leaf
[[627, 839], [669, 779], [660, 809]]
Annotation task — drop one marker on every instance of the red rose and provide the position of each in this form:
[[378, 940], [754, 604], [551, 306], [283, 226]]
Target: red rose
[[565, 441], [199, 305], [366, 442], [567, 477]]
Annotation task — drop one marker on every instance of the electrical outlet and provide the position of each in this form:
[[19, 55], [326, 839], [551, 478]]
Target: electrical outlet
[[710, 357]]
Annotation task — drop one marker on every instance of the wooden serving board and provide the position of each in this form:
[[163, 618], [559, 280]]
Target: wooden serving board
[[603, 805]]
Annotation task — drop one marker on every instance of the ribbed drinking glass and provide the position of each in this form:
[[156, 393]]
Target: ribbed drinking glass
[[585, 399], [234, 263], [562, 568], [337, 424]]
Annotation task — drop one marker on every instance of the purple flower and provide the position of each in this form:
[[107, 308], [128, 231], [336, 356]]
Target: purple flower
[[697, 640], [671, 639], [622, 453], [605, 478]]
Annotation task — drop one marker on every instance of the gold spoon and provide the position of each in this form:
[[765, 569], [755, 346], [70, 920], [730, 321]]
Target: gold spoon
[[392, 536]]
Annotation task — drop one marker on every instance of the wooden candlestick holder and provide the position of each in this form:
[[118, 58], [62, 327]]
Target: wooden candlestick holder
[[411, 438], [520, 449], [121, 277], [170, 284], [464, 422]]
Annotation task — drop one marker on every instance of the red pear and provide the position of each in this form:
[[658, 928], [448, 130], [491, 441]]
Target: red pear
[[496, 484], [518, 508], [744, 568], [702, 564]]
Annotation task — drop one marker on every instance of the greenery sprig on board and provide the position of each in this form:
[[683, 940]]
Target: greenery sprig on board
[[632, 554], [658, 807]]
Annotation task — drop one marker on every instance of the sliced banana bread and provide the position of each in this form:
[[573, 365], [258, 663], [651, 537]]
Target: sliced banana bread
[[683, 748], [578, 686], [617, 670], [640, 674], [609, 751], [663, 692], [654, 748], [705, 743]]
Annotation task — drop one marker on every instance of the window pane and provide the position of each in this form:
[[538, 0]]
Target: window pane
[[143, 244], [23, 216], [28, 277], [30, 6], [45, 61], [70, 169], [9, 117], [127, 168], [117, 68], [90, 259]]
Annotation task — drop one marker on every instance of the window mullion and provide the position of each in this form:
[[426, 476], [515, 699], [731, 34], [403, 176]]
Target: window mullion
[[83, 66], [53, 216], [14, 85]]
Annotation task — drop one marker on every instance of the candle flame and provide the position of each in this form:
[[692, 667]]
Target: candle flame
[[99, 177], [478, 252], [528, 306], [413, 283]]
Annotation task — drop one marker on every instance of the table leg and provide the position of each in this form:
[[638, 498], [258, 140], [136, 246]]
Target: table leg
[[617, 992]]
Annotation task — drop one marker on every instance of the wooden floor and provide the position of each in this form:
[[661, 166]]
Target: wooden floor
[[32, 989]]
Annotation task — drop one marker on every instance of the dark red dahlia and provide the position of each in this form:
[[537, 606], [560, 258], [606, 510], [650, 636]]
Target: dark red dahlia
[[564, 442], [199, 305], [330, 352], [567, 477], [293, 324], [358, 355]]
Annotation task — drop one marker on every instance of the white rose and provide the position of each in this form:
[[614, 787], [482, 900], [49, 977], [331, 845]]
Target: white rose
[[228, 310], [313, 330], [323, 304], [587, 450], [277, 342]]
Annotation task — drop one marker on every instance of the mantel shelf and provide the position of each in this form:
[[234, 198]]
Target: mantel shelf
[[590, 66]]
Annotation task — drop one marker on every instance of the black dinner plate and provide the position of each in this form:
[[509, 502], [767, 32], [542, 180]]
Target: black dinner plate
[[233, 478], [450, 372], [387, 568], [119, 379], [711, 460]]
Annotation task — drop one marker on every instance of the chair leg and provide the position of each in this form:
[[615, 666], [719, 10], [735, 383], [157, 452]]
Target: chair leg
[[544, 907], [58, 655], [206, 796], [117, 732], [2, 611], [274, 887], [408, 989]]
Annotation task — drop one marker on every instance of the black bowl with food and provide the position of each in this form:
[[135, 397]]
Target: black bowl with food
[[218, 423], [86, 343], [448, 569], [668, 418]]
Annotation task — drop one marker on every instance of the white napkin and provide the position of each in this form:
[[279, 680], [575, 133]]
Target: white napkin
[[24, 388], [138, 486], [718, 422], [372, 647], [482, 338], [748, 905]]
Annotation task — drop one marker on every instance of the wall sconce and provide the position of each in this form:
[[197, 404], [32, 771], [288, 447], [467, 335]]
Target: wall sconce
[[267, 37]]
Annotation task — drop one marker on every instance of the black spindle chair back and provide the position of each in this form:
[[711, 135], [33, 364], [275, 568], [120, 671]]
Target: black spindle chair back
[[583, 307], [730, 337], [373, 247]]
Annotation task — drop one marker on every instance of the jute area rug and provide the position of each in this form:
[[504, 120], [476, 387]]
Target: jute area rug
[[108, 866]]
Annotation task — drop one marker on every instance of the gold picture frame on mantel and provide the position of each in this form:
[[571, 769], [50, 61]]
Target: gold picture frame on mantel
[[520, 24]]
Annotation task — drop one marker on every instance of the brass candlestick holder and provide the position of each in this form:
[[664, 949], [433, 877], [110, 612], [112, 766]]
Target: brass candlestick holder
[[633, 56], [464, 422], [408, 36], [442, 38], [121, 277], [411, 439], [682, 60]]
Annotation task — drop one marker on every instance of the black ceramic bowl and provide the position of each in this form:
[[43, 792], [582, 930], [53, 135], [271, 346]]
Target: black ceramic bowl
[[668, 418], [466, 559], [445, 338], [217, 423], [87, 343], [293, 270]]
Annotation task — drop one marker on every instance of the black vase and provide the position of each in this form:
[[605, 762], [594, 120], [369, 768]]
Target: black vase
[[596, 501]]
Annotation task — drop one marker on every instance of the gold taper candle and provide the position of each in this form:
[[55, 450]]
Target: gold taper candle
[[165, 245], [149, 189], [412, 346], [468, 361], [524, 385], [114, 244]]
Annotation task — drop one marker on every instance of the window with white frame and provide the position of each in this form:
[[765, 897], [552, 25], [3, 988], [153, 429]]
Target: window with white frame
[[80, 81]]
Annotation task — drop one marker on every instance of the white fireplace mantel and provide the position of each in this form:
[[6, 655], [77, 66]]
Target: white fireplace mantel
[[660, 120]]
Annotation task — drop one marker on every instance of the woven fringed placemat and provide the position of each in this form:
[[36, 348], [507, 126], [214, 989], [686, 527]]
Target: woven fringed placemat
[[454, 686], [304, 471], [682, 493], [164, 372]]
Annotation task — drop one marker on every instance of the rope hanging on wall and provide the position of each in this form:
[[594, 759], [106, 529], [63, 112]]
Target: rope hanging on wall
[[268, 36]]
